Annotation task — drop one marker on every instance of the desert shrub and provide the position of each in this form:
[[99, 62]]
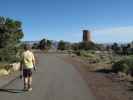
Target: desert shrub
[[88, 46], [87, 54], [125, 65], [75, 46], [120, 66], [62, 45], [77, 52], [84, 53]]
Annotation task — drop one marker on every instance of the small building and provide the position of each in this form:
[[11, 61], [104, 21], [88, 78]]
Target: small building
[[86, 36]]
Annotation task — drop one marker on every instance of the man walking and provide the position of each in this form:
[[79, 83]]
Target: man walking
[[27, 65]]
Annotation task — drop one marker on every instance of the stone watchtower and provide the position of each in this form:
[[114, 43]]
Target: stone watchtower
[[86, 36]]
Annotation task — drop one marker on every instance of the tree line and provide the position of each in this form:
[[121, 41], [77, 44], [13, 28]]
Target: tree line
[[123, 49]]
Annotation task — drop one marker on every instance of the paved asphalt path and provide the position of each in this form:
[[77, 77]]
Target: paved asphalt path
[[54, 80]]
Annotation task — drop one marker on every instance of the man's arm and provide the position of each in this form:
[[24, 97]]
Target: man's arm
[[21, 66], [21, 62], [34, 62]]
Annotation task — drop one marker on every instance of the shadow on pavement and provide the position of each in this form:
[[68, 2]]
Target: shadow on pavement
[[10, 82], [3, 88], [12, 90]]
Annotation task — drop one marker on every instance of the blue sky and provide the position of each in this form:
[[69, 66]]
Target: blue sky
[[108, 20]]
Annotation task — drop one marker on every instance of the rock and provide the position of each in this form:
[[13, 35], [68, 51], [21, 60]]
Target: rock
[[121, 74], [4, 72], [73, 55], [15, 66], [124, 76], [129, 78]]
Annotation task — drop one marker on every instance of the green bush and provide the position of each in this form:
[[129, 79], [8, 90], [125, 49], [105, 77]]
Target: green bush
[[84, 53], [62, 45], [87, 54], [125, 65], [88, 46], [9, 55]]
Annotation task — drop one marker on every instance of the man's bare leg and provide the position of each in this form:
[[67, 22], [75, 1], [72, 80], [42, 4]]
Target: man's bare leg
[[25, 83], [30, 83]]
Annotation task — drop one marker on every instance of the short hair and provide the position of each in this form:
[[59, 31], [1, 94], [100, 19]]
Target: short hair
[[27, 47]]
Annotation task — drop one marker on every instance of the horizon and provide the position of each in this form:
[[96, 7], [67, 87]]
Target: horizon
[[108, 20], [110, 43]]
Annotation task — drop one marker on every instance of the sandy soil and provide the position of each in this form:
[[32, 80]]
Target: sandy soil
[[104, 85]]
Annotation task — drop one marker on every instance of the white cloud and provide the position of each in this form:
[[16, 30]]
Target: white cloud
[[113, 34], [118, 30]]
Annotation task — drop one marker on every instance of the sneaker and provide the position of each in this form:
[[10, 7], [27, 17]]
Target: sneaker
[[30, 89]]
